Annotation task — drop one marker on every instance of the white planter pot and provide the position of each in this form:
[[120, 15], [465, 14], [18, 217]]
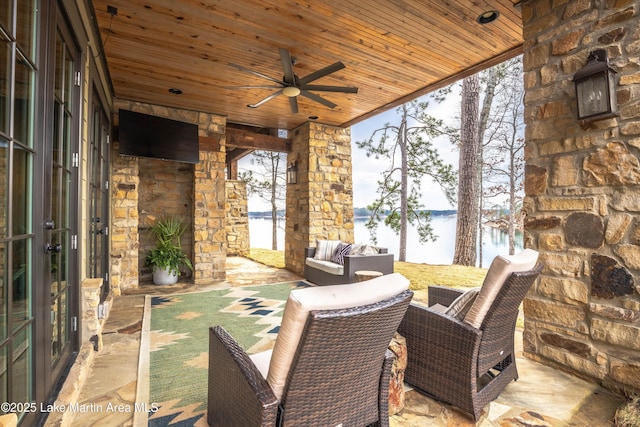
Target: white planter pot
[[163, 277]]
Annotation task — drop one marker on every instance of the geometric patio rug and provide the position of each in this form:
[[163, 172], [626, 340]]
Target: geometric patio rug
[[175, 346]]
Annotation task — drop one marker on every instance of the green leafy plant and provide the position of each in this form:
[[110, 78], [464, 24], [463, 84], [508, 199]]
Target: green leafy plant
[[167, 255]]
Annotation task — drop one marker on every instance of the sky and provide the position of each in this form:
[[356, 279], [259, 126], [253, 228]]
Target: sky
[[367, 170]]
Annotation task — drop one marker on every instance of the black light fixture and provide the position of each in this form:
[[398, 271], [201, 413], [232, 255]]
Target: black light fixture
[[595, 88], [292, 173]]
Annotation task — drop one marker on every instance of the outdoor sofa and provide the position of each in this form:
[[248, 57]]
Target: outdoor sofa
[[333, 262]]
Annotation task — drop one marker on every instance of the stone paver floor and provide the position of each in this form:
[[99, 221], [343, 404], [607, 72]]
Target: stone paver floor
[[541, 397]]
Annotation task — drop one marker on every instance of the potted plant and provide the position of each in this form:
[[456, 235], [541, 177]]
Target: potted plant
[[167, 257]]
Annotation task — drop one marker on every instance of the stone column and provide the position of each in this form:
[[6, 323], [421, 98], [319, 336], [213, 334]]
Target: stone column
[[209, 234], [320, 204], [237, 209], [124, 222], [582, 193]]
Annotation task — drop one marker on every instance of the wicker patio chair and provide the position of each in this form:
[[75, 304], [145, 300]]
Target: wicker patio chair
[[456, 361], [336, 361]]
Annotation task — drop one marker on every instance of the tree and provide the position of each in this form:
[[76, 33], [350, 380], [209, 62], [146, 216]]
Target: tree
[[504, 158], [269, 183], [468, 174], [411, 157], [489, 78]]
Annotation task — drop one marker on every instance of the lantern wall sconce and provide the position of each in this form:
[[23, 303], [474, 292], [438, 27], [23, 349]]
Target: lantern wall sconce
[[595, 88], [292, 173]]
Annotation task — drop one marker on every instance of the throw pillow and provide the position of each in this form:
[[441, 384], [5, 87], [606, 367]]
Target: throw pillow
[[363, 249], [461, 305], [325, 249], [342, 250]]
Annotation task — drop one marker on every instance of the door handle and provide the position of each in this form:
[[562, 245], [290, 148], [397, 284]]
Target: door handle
[[57, 248]]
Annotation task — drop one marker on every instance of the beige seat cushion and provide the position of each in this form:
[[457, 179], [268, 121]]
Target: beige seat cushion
[[500, 269], [326, 266], [302, 301]]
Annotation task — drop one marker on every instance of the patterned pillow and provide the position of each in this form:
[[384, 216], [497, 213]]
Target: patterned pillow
[[325, 249], [342, 250], [461, 305]]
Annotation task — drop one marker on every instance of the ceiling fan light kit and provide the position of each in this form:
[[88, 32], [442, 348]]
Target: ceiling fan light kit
[[293, 86], [291, 91]]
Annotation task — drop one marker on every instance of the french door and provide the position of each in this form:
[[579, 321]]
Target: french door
[[60, 202], [39, 122], [18, 153]]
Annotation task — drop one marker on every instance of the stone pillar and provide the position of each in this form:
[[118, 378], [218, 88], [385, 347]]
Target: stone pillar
[[237, 209], [320, 204], [209, 234], [124, 222], [582, 193]]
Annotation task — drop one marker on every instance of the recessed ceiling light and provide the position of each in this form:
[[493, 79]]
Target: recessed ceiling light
[[175, 91], [487, 17]]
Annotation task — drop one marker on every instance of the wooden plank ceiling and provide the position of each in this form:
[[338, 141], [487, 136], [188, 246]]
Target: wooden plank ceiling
[[393, 51]]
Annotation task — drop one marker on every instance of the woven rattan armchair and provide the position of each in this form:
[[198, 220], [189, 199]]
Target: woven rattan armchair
[[460, 364], [339, 374]]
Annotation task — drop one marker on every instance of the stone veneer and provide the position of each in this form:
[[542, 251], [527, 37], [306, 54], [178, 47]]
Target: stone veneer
[[320, 204], [237, 218], [206, 209], [165, 188], [583, 193]]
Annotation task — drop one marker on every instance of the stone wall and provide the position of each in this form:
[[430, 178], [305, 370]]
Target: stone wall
[[583, 193], [196, 192], [165, 188], [320, 204], [238, 242]]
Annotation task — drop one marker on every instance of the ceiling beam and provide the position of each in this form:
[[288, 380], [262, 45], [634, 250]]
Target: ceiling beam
[[236, 154], [237, 138]]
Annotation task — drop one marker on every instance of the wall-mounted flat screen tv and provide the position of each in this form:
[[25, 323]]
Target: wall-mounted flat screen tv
[[150, 136]]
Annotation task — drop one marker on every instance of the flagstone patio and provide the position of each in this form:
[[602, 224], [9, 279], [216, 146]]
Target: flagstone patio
[[541, 397]]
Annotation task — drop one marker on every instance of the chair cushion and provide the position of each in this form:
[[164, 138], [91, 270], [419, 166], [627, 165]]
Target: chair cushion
[[326, 266], [341, 251], [261, 361], [302, 301], [499, 271], [461, 305], [325, 249]]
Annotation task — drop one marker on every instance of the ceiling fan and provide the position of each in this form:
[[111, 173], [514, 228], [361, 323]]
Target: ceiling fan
[[292, 86]]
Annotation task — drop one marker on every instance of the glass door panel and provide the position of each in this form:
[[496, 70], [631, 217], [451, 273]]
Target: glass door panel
[[59, 200]]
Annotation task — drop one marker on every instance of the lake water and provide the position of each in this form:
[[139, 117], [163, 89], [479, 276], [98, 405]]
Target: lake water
[[495, 242]]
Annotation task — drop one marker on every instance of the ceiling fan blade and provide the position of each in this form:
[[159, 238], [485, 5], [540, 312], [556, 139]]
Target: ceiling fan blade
[[255, 73], [293, 105], [287, 66], [317, 98], [268, 98], [321, 73], [322, 88]]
